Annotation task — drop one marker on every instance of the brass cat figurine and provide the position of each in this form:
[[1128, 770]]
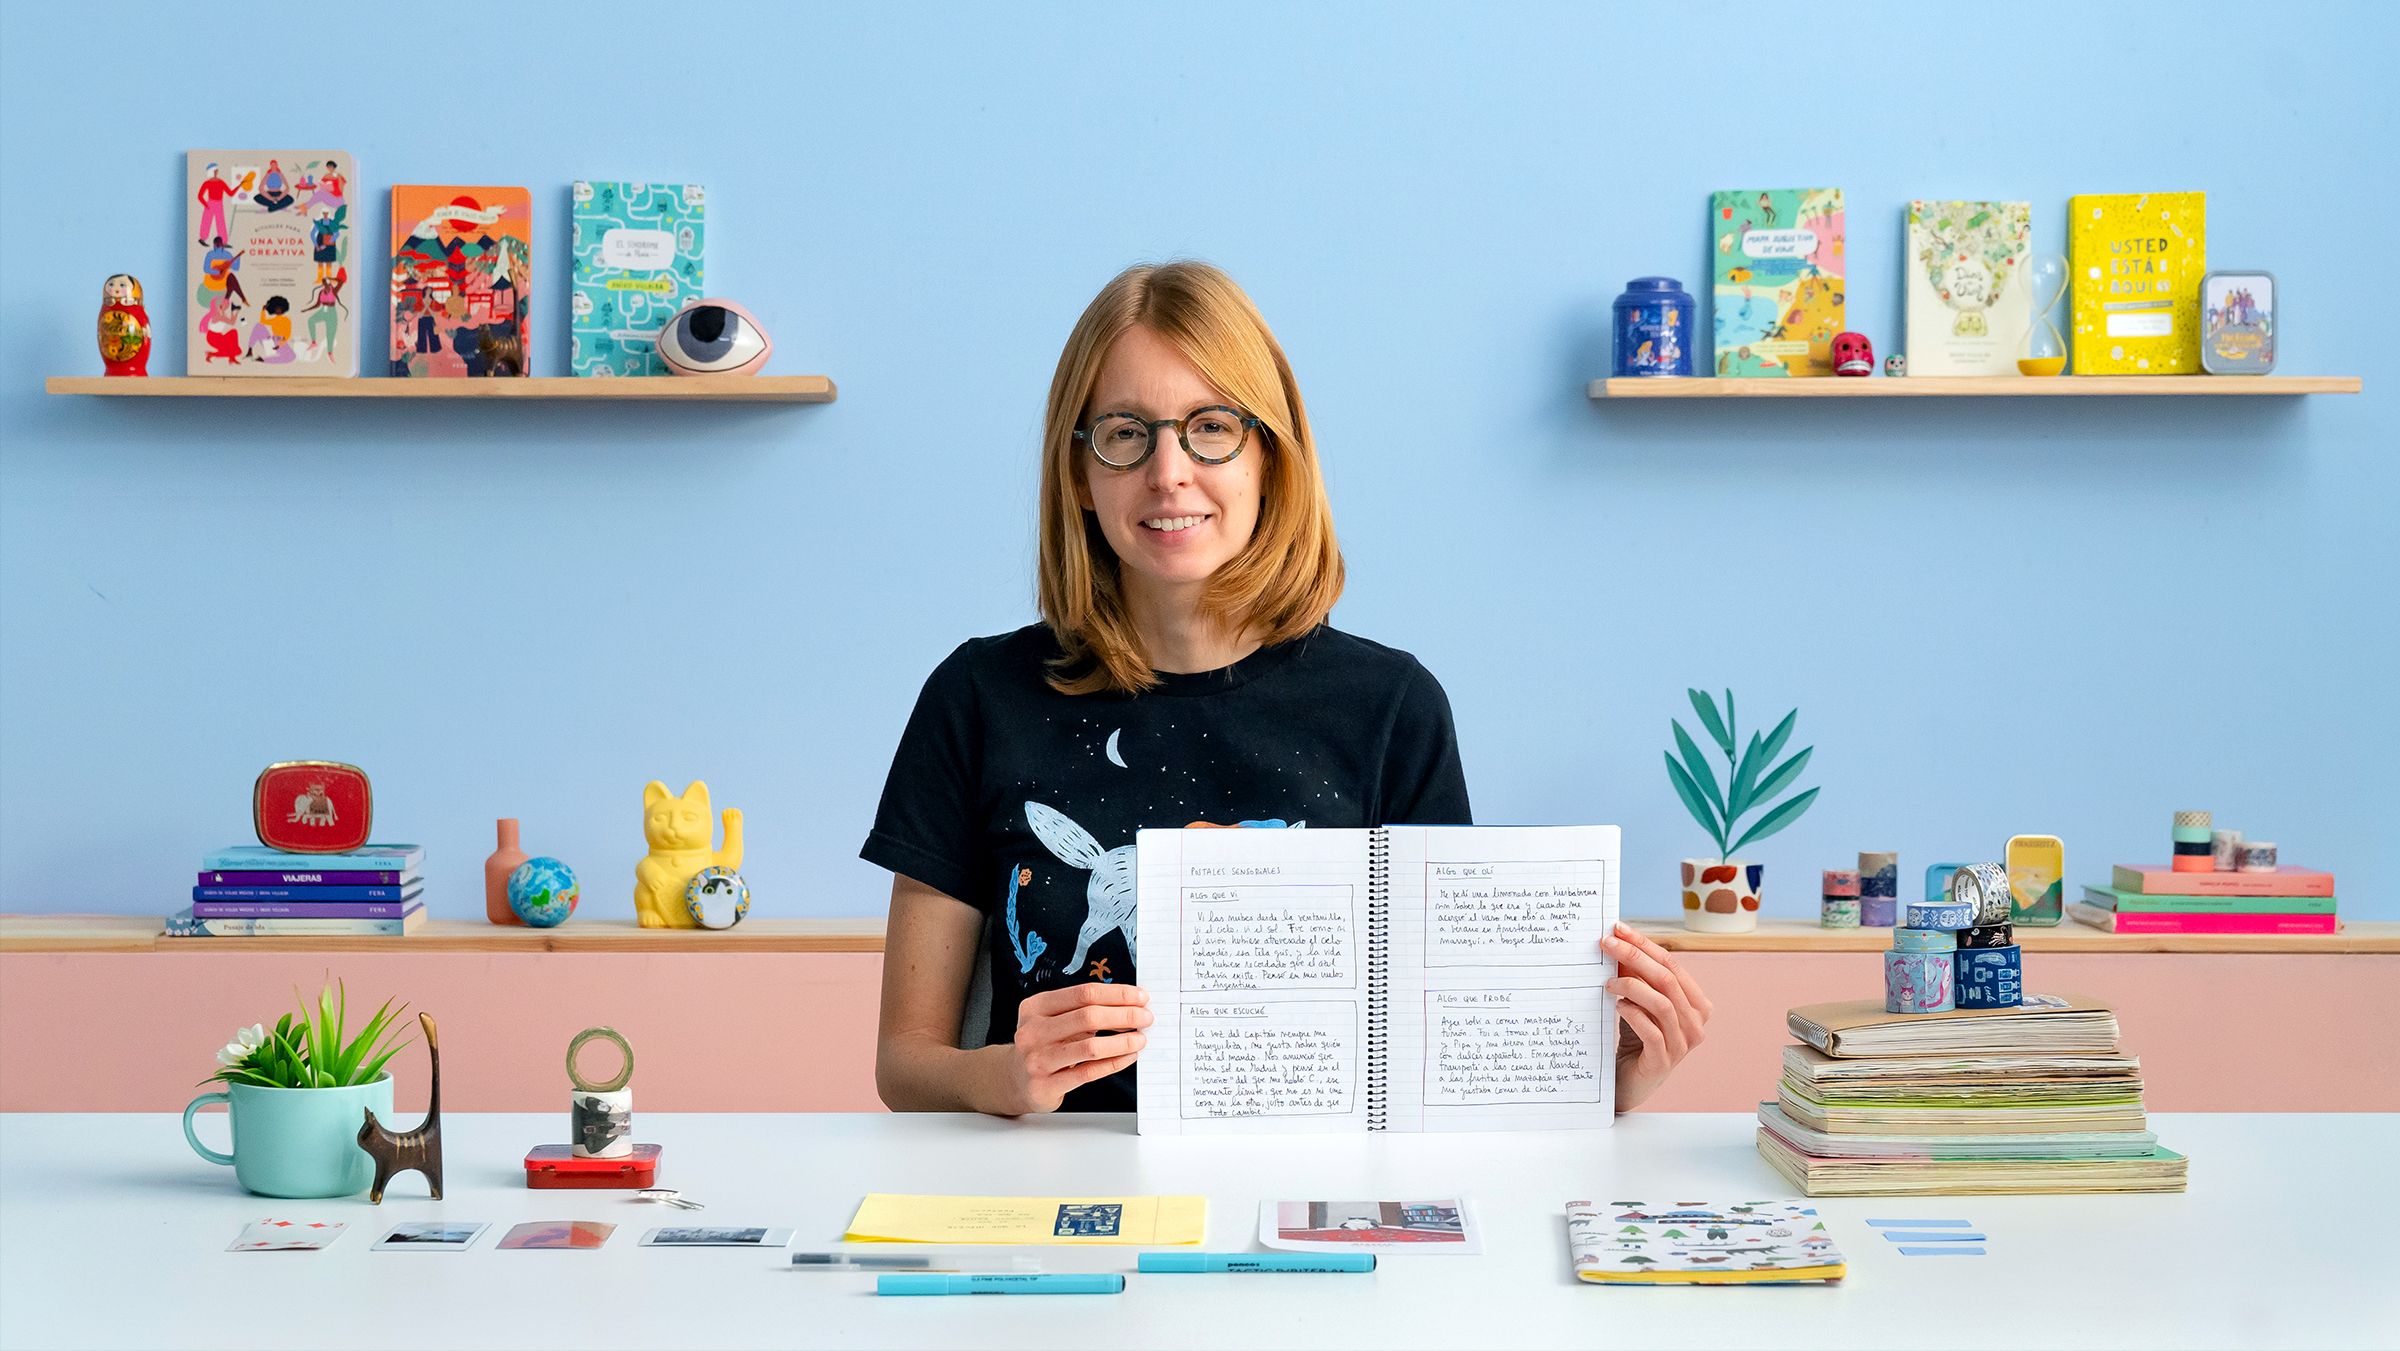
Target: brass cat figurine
[[679, 831]]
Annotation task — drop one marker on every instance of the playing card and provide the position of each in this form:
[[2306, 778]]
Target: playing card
[[274, 1235], [558, 1234], [431, 1236]]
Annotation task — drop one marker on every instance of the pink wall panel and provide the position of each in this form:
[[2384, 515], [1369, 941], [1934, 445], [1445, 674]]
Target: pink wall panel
[[795, 1031]]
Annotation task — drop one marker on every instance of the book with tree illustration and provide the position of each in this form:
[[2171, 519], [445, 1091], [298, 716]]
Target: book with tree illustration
[[1700, 1243]]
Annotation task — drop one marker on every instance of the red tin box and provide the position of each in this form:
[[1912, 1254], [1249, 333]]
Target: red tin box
[[312, 807], [557, 1166]]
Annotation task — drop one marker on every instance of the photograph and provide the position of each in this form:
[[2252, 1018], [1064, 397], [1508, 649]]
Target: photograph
[[558, 1234], [430, 1236], [716, 1236]]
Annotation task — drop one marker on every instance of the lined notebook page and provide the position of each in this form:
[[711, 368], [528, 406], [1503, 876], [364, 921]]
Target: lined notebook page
[[1254, 948], [1500, 1016]]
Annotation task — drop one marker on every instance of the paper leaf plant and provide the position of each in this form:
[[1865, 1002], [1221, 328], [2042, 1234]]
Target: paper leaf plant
[[1748, 785]]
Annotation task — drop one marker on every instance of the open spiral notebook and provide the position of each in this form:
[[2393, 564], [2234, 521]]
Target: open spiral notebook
[[1405, 978]]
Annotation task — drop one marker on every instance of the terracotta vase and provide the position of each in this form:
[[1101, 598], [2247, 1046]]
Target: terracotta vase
[[1720, 896], [504, 860]]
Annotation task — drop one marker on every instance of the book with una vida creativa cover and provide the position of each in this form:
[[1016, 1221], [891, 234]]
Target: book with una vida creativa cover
[[272, 286]]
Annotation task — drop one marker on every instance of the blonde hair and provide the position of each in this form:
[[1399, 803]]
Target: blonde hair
[[1284, 581]]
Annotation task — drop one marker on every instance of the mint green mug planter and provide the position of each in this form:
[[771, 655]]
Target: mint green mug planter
[[296, 1142], [1721, 895], [296, 1096]]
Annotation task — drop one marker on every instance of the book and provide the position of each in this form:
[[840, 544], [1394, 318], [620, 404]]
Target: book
[[2164, 881], [2123, 901], [638, 250], [1968, 303], [393, 892], [2043, 1024], [300, 877], [2074, 1144], [1777, 279], [404, 858], [2136, 261], [2136, 922], [1960, 1081], [1405, 978], [394, 909], [461, 281], [272, 289], [184, 924], [2158, 1170], [2024, 1113], [1700, 1243]]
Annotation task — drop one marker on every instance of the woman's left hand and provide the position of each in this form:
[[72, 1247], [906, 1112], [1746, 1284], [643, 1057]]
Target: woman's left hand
[[1662, 1009]]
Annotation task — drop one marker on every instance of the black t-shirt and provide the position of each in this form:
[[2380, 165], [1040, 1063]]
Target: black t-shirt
[[1023, 802]]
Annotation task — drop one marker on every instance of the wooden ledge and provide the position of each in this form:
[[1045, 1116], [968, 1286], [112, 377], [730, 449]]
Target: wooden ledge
[[141, 933]]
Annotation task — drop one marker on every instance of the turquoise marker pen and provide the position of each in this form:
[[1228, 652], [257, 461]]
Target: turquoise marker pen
[[1001, 1283], [1160, 1262]]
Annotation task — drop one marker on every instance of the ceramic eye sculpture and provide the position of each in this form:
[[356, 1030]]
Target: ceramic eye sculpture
[[1853, 354], [714, 337]]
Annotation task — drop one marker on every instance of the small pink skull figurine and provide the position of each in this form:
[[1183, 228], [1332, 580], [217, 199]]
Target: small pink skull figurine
[[1853, 354]]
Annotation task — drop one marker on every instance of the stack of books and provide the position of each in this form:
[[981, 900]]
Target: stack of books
[[2030, 1099], [2148, 899], [251, 891]]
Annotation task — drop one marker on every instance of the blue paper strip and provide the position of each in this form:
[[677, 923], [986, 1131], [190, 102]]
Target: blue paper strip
[[1932, 1236], [1941, 1252], [1921, 1224]]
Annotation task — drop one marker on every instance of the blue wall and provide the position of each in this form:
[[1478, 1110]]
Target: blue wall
[[2063, 615]]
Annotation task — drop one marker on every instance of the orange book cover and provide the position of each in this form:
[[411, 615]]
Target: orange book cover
[[462, 280]]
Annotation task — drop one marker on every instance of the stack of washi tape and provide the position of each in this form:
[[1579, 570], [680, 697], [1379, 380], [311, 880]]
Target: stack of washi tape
[[1957, 950], [1840, 907], [1878, 889]]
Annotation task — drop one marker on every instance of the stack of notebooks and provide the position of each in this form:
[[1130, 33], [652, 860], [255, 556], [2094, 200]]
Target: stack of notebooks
[[251, 891], [2029, 1099], [2158, 900]]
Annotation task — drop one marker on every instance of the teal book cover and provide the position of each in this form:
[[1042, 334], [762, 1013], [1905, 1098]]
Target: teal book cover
[[638, 259]]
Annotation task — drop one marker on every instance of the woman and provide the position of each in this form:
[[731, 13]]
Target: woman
[[1183, 674]]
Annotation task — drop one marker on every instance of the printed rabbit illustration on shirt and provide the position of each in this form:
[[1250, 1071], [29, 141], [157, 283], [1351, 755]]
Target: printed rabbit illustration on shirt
[[1109, 896]]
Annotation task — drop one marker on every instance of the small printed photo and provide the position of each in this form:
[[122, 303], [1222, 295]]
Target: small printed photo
[[716, 1236], [558, 1234], [431, 1236], [1444, 1225]]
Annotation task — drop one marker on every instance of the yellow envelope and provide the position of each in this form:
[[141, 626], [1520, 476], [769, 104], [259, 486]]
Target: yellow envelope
[[1150, 1221]]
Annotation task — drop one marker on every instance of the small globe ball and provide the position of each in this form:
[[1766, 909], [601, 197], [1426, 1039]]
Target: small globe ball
[[717, 898], [543, 892]]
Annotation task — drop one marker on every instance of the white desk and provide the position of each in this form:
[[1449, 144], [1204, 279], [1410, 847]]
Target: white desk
[[112, 1235]]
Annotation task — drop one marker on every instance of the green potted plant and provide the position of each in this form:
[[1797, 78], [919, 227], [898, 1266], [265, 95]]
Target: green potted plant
[[296, 1095], [1721, 895]]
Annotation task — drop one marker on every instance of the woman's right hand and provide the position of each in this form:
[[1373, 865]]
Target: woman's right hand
[[1060, 1043]]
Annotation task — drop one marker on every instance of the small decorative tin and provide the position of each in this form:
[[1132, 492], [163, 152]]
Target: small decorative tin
[[2237, 323], [1654, 328], [557, 1166], [312, 806]]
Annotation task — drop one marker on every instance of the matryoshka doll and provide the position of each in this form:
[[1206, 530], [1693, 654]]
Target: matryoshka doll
[[124, 327]]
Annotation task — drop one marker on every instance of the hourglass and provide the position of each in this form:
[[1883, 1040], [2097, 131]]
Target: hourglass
[[2044, 350]]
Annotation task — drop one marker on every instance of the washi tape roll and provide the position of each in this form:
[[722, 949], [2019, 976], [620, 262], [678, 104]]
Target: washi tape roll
[[1990, 978], [1878, 912], [1878, 873], [1938, 915], [2190, 834], [1839, 912], [1918, 982], [2225, 850], [585, 1038], [600, 1125], [2192, 863], [2258, 856], [1924, 940], [1937, 880], [1984, 887], [1841, 882], [2002, 935], [2201, 819]]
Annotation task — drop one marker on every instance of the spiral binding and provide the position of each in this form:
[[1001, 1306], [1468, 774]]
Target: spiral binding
[[1379, 956]]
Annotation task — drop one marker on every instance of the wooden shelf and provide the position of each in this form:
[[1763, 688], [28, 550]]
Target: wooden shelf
[[1963, 386], [723, 388], [141, 933]]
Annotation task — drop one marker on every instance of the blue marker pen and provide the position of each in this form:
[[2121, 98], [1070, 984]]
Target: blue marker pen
[[1001, 1283], [1158, 1262]]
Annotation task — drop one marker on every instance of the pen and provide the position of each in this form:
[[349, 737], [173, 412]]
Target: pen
[[1001, 1283], [1158, 1262], [852, 1261]]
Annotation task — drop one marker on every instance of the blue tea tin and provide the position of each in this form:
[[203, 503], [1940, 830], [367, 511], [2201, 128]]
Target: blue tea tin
[[1654, 328]]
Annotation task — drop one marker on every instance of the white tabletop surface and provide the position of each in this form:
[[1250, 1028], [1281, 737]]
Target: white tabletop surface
[[112, 1234]]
